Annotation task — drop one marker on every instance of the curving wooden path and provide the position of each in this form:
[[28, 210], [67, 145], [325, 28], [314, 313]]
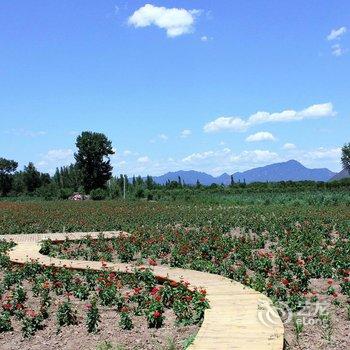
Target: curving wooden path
[[238, 318]]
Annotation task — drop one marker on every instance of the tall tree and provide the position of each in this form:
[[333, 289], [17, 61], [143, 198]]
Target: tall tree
[[32, 178], [92, 159], [345, 158], [7, 167], [150, 184]]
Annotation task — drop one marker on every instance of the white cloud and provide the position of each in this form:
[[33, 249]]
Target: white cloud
[[55, 158], [239, 124], [185, 133], [260, 136], [256, 156], [25, 132], [226, 123], [59, 155], [224, 159], [337, 50], [163, 137], [204, 38], [176, 21], [144, 159], [289, 146], [324, 153], [198, 156], [227, 160], [336, 33]]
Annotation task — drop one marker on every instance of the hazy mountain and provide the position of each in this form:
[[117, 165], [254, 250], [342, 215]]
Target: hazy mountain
[[290, 170], [190, 177], [341, 175]]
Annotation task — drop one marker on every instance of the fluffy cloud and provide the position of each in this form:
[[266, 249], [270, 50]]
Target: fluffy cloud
[[227, 160], [185, 133], [226, 123], [143, 160], [337, 50], [239, 124], [224, 159], [194, 157], [324, 153], [336, 33], [289, 146], [59, 154], [260, 136], [254, 157], [176, 21], [55, 158]]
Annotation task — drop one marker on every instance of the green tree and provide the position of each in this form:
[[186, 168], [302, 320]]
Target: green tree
[[67, 177], [92, 159], [32, 178], [7, 167], [345, 158], [150, 184]]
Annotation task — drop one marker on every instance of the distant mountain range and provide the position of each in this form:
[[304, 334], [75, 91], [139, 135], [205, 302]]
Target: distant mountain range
[[341, 175], [286, 171]]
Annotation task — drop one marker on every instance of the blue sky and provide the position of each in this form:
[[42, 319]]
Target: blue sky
[[216, 86]]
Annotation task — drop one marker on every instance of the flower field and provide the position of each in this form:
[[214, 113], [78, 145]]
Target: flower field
[[298, 255], [49, 305]]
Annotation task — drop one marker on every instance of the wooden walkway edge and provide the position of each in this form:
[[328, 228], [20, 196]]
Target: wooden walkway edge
[[238, 318]]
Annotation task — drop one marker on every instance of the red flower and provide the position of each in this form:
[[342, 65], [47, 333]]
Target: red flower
[[7, 306], [112, 275], [137, 290], [31, 313], [188, 297], [285, 281], [124, 309], [156, 314], [330, 281], [154, 291], [152, 262]]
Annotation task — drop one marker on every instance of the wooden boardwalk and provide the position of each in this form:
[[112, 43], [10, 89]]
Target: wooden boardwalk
[[238, 318]]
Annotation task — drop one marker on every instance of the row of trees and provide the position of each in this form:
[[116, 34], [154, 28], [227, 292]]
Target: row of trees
[[92, 170], [92, 174]]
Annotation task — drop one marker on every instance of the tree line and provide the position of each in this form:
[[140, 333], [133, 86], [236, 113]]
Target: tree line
[[91, 174]]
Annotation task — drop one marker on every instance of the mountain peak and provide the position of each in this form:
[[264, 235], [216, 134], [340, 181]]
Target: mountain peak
[[291, 170]]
